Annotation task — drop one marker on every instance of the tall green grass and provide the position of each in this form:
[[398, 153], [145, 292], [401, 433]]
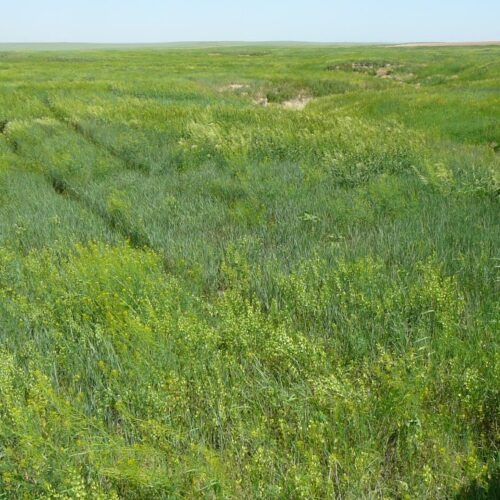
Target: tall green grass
[[203, 296]]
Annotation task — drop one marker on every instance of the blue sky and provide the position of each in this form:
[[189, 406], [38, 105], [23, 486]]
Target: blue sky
[[137, 21]]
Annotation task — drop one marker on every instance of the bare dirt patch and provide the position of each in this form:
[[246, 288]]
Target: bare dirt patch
[[261, 101], [381, 69], [298, 103], [234, 86], [384, 72]]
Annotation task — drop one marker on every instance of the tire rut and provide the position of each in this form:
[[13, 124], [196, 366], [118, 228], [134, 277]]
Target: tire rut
[[137, 239], [63, 118]]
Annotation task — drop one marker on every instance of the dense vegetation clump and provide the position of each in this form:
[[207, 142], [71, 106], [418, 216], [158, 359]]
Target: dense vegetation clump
[[239, 273]]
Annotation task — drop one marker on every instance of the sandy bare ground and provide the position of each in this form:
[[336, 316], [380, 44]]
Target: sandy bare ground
[[447, 44], [298, 103], [234, 86]]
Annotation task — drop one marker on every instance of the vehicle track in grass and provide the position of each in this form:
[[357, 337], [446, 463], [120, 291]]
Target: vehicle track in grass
[[59, 114], [136, 238]]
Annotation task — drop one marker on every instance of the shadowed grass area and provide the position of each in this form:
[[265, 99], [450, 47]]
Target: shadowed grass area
[[257, 271]]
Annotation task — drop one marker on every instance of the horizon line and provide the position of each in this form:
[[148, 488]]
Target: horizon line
[[309, 42]]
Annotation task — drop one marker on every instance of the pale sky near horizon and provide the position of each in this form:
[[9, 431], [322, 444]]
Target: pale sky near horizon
[[152, 21]]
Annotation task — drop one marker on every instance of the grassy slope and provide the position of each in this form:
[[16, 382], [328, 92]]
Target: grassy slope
[[203, 296]]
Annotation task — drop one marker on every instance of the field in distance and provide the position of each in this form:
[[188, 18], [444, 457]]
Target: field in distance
[[249, 271], [449, 44]]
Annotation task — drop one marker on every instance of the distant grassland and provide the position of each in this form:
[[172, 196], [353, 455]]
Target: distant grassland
[[250, 271]]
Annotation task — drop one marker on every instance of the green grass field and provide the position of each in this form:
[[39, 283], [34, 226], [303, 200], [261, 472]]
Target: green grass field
[[249, 271]]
